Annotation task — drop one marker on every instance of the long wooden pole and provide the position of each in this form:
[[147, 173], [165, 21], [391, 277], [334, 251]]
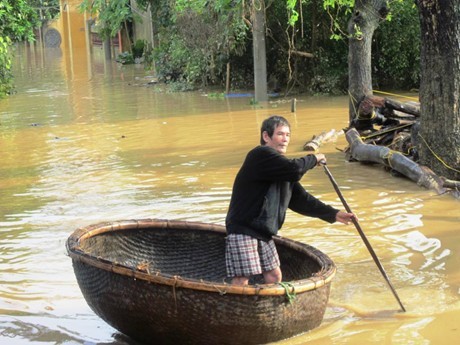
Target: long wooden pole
[[363, 236]]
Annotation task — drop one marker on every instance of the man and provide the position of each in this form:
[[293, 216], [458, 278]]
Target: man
[[264, 188]]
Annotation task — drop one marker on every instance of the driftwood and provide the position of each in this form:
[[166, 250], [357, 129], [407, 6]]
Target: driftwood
[[423, 176], [390, 107], [317, 140], [451, 184], [412, 108], [393, 143]]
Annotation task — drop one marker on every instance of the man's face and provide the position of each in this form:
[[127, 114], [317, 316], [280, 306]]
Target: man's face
[[280, 139]]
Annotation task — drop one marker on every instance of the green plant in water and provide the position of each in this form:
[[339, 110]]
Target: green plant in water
[[18, 19], [125, 58], [6, 77], [216, 95], [138, 48]]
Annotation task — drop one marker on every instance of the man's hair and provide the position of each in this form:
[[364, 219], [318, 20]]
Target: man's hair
[[270, 124]]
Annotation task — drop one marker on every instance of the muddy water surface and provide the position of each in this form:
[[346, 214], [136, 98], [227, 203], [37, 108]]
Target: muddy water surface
[[82, 143]]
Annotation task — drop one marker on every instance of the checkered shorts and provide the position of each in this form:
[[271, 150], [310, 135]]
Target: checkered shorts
[[246, 256]]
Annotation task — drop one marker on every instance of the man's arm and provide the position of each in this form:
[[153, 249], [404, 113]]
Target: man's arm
[[306, 204]]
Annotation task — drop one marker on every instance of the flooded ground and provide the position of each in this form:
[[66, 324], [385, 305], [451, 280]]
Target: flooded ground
[[83, 142]]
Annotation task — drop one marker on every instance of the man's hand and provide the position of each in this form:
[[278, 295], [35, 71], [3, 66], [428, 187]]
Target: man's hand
[[345, 217], [320, 159]]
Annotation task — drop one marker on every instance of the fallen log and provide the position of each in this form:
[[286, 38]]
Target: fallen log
[[390, 107], [412, 108], [451, 184], [422, 175], [317, 140], [396, 114], [378, 136]]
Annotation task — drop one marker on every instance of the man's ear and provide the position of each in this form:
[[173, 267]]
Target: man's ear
[[265, 136]]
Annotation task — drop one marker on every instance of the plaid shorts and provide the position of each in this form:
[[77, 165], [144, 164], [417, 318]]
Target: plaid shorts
[[246, 256]]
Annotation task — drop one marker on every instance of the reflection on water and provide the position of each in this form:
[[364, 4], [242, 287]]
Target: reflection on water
[[77, 150]]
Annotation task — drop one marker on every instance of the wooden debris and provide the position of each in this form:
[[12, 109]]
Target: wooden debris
[[451, 184], [412, 108], [423, 176], [374, 136], [392, 143], [316, 141], [391, 105]]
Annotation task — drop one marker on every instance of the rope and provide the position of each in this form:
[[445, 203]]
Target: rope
[[436, 156], [353, 102], [290, 295], [397, 141], [367, 118], [376, 134], [221, 292], [393, 94], [388, 157]]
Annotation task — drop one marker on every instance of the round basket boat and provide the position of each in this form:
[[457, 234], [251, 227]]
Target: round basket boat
[[164, 282]]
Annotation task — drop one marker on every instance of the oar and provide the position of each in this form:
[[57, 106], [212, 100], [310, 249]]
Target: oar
[[363, 236]]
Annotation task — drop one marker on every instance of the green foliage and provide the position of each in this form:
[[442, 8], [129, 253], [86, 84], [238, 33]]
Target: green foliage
[[138, 48], [5, 67], [125, 58], [197, 39], [293, 14], [338, 10], [111, 15], [347, 4], [197, 6], [17, 21], [396, 48], [46, 10], [216, 95], [395, 45]]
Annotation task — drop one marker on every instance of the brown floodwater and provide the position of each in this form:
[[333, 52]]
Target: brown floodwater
[[84, 141]]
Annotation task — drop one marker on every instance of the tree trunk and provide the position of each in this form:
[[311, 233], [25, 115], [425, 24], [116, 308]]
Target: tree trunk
[[107, 49], [439, 144], [259, 52], [366, 17]]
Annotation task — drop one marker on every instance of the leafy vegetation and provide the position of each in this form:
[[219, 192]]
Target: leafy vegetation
[[195, 40], [5, 67], [396, 48], [111, 15], [18, 18]]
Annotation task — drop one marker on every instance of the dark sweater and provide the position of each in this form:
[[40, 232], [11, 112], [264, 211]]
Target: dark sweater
[[265, 187]]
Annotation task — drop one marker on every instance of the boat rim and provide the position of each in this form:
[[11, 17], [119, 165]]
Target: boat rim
[[76, 253]]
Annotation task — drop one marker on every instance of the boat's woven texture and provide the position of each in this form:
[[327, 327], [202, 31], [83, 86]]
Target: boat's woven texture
[[165, 284]]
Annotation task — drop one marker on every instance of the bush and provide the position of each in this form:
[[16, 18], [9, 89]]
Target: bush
[[125, 58], [138, 48], [6, 85]]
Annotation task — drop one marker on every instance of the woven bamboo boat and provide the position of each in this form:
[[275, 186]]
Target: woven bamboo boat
[[164, 282]]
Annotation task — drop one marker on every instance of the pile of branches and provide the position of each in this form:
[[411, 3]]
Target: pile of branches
[[385, 131]]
